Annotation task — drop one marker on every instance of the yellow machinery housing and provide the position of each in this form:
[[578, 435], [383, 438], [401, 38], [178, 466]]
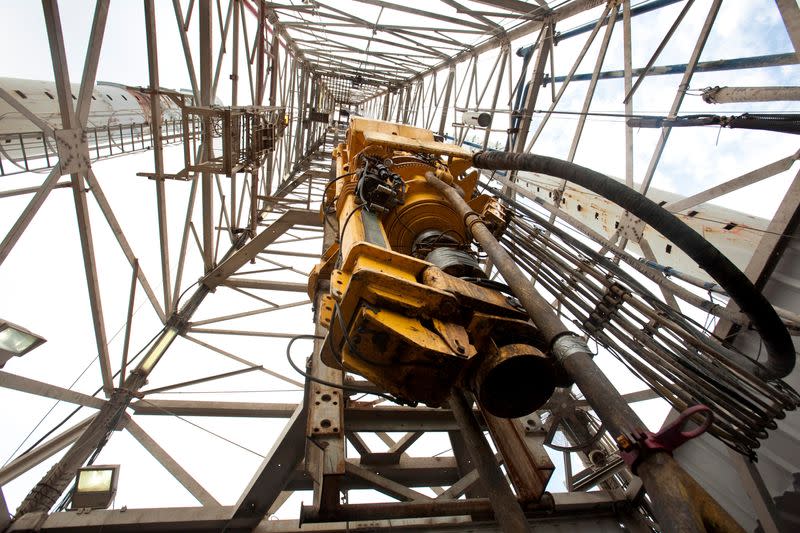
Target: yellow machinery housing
[[409, 308]]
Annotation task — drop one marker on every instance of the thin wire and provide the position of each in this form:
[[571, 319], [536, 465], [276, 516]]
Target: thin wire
[[64, 421], [179, 417], [706, 219], [329, 383], [185, 291], [21, 444], [344, 225]]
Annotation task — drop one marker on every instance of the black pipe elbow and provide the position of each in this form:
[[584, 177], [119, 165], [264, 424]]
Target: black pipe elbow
[[777, 341]]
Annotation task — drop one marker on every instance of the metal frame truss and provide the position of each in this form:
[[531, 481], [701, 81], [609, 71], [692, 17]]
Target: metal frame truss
[[252, 225]]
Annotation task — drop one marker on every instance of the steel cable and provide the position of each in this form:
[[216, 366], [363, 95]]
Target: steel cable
[[671, 353]]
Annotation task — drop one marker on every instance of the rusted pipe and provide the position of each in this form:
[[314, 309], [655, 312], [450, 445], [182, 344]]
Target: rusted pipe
[[663, 478], [355, 512], [564, 345], [506, 508]]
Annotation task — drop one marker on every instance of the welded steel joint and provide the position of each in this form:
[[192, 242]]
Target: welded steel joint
[[638, 444]]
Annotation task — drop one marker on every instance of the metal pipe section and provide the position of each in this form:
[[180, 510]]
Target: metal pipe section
[[673, 508], [506, 508], [717, 65], [355, 512], [780, 349], [730, 95]]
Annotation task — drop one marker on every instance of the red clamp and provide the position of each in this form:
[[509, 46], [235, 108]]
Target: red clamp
[[639, 443]]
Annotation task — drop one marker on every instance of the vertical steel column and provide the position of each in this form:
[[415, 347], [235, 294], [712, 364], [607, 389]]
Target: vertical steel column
[[311, 128], [385, 111], [4, 515], [325, 453], [274, 72], [289, 100], [471, 67], [253, 218], [206, 72], [503, 58], [627, 58], [158, 153], [237, 7], [399, 103], [260, 55], [235, 98], [451, 75], [302, 90], [533, 88], [407, 104], [275, 66]]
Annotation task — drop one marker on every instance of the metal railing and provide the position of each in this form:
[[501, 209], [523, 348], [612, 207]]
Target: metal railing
[[33, 151]]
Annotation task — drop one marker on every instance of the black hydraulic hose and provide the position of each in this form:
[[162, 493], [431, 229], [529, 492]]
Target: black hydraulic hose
[[780, 349]]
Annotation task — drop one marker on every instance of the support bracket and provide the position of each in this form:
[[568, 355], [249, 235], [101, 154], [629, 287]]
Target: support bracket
[[73, 151]]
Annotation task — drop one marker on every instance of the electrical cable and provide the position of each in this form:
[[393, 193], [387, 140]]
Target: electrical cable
[[181, 295], [57, 402], [744, 416], [637, 287], [342, 387], [217, 435], [256, 391], [751, 301], [344, 226], [331, 182], [70, 415]]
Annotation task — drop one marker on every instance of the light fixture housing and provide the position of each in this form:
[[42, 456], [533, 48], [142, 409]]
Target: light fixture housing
[[95, 487], [16, 341]]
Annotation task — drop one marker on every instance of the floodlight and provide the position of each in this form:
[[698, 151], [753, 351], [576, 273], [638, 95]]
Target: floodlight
[[95, 487], [16, 341]]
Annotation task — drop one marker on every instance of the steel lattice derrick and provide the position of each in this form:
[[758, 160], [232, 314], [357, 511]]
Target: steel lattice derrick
[[290, 58]]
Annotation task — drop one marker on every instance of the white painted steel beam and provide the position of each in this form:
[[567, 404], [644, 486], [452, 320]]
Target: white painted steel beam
[[729, 95], [274, 473], [71, 120], [384, 485], [734, 184], [790, 12], [171, 465], [25, 462], [32, 386]]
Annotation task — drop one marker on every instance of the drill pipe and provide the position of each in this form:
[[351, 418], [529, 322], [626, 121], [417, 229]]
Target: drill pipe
[[675, 499]]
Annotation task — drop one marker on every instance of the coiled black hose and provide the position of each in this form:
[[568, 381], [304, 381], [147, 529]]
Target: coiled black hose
[[777, 341]]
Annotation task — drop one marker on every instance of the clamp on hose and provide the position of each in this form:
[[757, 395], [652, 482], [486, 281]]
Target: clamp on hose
[[638, 444]]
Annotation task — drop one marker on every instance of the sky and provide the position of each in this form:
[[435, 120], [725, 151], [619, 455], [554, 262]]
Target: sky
[[43, 281]]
